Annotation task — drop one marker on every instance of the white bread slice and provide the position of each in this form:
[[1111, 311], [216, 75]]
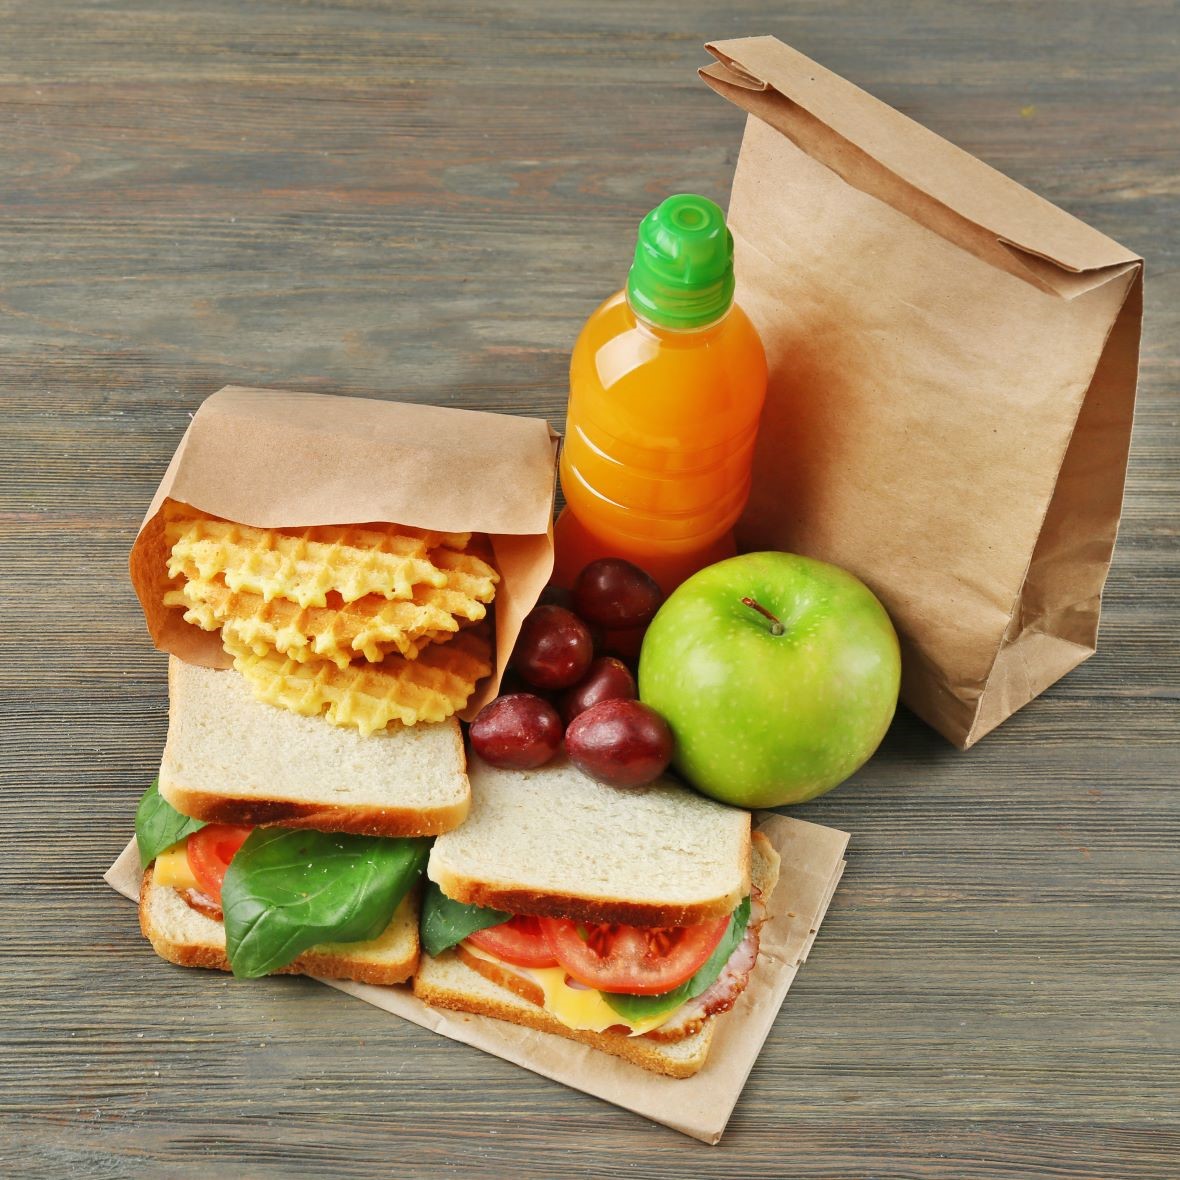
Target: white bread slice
[[183, 936], [555, 842], [764, 877], [232, 759], [765, 866], [446, 982]]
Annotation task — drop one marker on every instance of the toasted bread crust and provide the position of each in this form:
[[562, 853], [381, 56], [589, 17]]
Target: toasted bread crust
[[639, 1051], [525, 988], [584, 909], [327, 964], [364, 821]]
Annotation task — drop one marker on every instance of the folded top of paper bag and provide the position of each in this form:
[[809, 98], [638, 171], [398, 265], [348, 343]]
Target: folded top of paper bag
[[884, 153]]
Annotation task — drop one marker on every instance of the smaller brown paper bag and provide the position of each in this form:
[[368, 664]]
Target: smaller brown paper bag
[[275, 459], [700, 1106], [952, 381]]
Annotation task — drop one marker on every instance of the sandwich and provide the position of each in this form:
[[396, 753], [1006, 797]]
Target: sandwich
[[626, 920], [290, 822], [274, 842]]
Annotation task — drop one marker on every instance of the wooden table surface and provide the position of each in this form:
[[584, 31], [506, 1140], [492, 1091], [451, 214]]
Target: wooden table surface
[[425, 201]]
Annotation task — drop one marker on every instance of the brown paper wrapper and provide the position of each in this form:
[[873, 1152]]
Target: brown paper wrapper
[[700, 1106], [952, 380], [276, 459]]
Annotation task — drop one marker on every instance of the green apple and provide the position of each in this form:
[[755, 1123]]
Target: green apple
[[778, 675]]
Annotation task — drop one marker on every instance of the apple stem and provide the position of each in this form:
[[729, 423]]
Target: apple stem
[[776, 624]]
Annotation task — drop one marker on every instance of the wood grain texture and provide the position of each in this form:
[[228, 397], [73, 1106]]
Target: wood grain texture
[[426, 201]]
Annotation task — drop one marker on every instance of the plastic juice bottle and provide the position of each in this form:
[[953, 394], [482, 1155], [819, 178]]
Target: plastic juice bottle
[[667, 381]]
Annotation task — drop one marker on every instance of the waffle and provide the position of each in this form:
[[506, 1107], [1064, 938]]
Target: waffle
[[371, 627], [371, 696], [305, 565]]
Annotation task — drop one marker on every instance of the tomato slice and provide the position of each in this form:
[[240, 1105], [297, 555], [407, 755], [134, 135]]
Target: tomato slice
[[638, 960], [519, 941], [209, 851]]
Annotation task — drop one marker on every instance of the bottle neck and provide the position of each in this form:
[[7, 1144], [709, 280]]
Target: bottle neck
[[664, 332]]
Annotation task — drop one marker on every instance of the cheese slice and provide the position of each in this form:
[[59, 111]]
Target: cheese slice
[[172, 868], [575, 1007]]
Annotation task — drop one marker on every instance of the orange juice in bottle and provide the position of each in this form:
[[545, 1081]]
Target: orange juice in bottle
[[667, 381]]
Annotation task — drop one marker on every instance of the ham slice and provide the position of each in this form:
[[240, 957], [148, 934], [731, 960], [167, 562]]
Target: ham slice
[[202, 903]]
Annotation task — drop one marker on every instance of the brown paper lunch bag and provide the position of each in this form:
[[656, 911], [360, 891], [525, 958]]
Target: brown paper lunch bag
[[952, 381]]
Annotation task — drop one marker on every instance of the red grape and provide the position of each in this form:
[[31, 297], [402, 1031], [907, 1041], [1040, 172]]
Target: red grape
[[554, 648], [516, 732], [623, 743], [608, 679], [623, 644], [616, 594]]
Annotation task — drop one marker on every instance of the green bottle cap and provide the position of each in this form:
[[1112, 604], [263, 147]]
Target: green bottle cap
[[682, 276]]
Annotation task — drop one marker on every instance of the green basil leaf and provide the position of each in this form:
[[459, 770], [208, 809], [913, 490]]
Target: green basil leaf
[[288, 889], [445, 923], [158, 825], [636, 1008]]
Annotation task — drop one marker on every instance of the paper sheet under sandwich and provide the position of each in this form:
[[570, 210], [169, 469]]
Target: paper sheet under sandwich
[[700, 1106]]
